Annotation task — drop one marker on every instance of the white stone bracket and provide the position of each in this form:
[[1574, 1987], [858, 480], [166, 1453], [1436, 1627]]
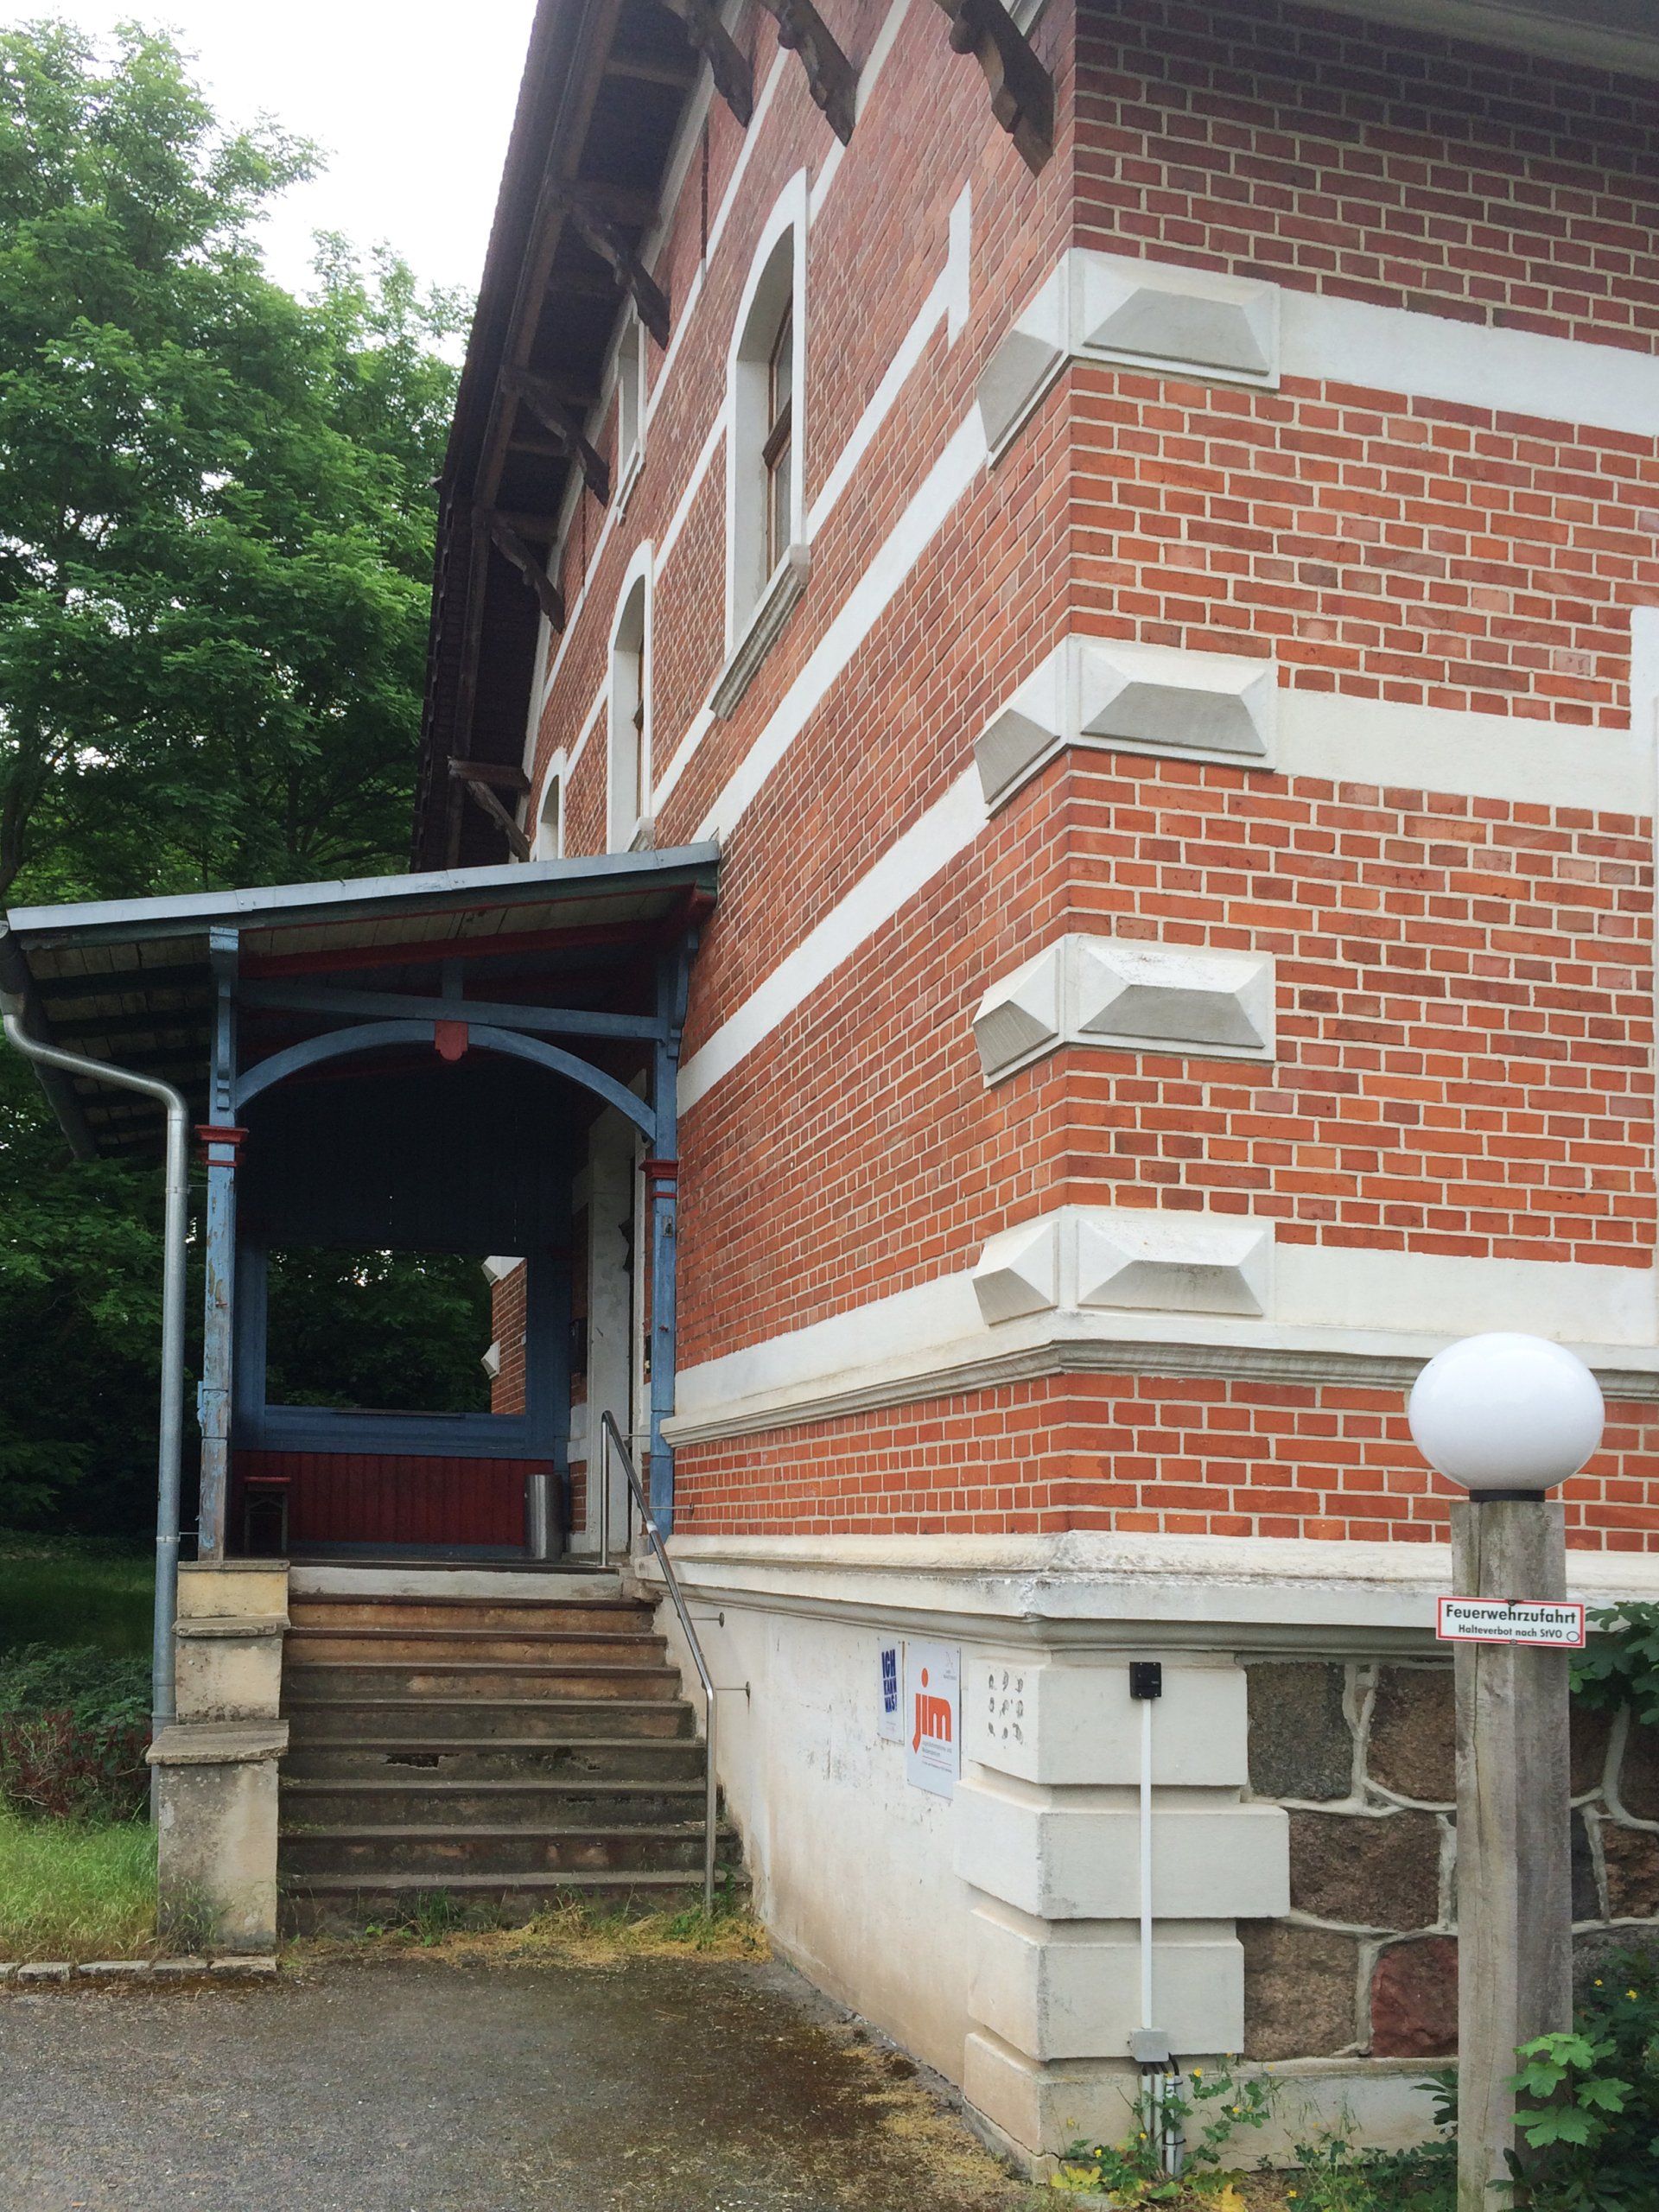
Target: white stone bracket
[[1088, 1258], [1111, 695], [1125, 994]]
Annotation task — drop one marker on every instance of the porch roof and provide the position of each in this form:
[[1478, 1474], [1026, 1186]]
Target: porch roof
[[130, 982]]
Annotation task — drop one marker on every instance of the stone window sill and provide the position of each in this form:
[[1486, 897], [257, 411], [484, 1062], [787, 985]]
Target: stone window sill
[[773, 610]]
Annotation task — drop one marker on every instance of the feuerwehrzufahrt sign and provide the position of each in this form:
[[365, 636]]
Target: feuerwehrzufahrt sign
[[1558, 1623]]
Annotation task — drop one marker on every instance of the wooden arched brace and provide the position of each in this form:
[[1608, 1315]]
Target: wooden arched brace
[[1022, 92], [734, 79], [512, 548], [563, 427], [830, 77], [601, 232]]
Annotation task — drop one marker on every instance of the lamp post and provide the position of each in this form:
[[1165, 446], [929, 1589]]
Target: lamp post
[[1508, 1417]]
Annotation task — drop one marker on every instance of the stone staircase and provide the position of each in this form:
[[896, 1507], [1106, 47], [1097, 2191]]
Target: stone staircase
[[504, 1752]]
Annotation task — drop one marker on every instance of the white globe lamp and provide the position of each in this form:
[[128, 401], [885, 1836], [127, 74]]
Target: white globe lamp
[[1507, 1416]]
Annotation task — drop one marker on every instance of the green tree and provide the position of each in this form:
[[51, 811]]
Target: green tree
[[216, 537], [216, 516]]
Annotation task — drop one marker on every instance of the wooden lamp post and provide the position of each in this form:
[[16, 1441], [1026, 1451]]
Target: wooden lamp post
[[1508, 1417]]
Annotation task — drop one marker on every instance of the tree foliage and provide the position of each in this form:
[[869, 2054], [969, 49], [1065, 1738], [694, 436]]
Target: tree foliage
[[216, 535]]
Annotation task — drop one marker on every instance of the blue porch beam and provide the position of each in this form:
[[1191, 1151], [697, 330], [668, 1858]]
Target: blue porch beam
[[661, 1186], [223, 1140], [574, 1021]]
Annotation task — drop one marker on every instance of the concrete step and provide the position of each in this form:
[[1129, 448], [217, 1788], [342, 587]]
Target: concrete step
[[517, 1613], [666, 1758], [320, 1716], [437, 1851], [326, 1905], [459, 1679], [537, 1802], [436, 1647]]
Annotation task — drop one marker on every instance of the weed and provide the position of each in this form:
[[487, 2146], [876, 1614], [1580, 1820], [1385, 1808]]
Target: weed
[[74, 1728], [1132, 2171]]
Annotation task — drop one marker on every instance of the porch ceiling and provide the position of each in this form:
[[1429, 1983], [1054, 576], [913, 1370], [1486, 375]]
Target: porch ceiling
[[131, 982]]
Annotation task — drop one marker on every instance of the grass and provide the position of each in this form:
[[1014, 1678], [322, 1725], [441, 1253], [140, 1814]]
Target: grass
[[54, 1593], [76, 1890], [571, 1932]]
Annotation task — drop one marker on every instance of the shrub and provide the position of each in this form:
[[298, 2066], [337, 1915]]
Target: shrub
[[73, 1729], [1588, 2102]]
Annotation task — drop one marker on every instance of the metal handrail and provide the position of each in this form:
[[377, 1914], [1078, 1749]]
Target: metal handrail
[[612, 1440]]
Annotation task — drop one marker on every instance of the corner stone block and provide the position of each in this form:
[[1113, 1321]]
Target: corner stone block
[[1168, 698], [1074, 1990], [1019, 1271], [1025, 364], [1185, 1263], [1056, 1860], [1122, 990], [1051, 1723], [216, 1833], [230, 1669], [1177, 318], [1023, 1015], [1031, 725], [1039, 2107], [242, 1588]]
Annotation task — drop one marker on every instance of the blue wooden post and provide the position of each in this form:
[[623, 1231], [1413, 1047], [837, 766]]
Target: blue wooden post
[[222, 1138]]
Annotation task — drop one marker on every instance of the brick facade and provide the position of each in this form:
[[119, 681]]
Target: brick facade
[[1463, 1066]]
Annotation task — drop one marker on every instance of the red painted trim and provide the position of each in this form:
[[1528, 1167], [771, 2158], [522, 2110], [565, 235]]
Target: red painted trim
[[452, 1039], [662, 1175]]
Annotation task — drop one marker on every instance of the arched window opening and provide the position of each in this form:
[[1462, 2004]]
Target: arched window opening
[[630, 780], [550, 825], [776, 452]]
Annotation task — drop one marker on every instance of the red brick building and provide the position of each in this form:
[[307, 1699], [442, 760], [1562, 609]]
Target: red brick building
[[1132, 527], [1177, 702]]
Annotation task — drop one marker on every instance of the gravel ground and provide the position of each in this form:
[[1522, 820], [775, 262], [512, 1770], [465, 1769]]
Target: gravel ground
[[410, 2084]]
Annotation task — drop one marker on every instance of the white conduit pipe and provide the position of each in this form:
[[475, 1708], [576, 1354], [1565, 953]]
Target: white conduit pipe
[[170, 1437]]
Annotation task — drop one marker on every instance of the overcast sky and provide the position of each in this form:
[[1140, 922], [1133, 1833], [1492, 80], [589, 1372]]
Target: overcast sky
[[411, 100]]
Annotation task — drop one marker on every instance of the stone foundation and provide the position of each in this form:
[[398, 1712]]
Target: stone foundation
[[1361, 1758]]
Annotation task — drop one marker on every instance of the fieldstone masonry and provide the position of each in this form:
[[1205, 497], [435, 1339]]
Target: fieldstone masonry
[[1362, 1757]]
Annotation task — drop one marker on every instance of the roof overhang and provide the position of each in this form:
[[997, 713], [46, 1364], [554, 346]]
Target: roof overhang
[[131, 983], [605, 87], [1622, 35]]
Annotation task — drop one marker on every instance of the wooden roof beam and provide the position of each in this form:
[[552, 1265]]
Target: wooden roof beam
[[603, 232], [1022, 92], [562, 425], [512, 548], [830, 77], [728, 64]]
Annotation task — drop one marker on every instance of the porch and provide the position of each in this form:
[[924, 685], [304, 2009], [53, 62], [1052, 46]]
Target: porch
[[422, 1100]]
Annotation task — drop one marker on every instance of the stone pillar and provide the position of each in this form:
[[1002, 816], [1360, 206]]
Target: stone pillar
[[1048, 1837], [217, 1765]]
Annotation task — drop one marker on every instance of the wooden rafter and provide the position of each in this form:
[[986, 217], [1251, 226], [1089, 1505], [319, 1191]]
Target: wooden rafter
[[483, 796], [603, 232], [563, 425], [728, 64], [830, 76], [512, 548], [1022, 92]]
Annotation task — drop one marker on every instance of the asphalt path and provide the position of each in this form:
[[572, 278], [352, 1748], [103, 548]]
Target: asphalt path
[[410, 2084]]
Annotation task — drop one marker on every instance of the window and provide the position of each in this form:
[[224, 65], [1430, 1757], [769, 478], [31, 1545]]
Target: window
[[630, 761], [775, 453], [765, 498], [550, 824]]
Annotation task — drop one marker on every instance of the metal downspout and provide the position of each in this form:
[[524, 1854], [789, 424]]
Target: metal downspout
[[171, 1433]]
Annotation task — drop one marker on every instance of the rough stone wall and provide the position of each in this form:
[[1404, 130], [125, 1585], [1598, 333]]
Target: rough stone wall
[[1363, 1756]]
